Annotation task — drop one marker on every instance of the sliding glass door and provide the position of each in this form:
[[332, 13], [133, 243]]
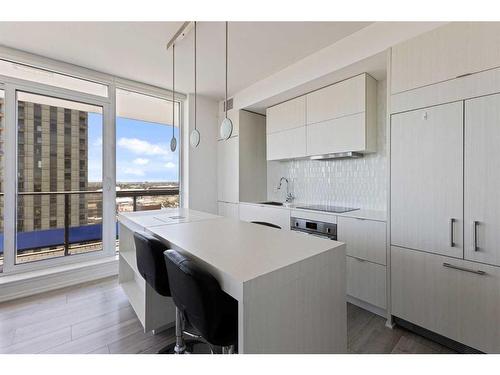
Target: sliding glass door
[[60, 136]]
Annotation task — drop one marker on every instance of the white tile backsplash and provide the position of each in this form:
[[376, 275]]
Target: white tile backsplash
[[358, 183]]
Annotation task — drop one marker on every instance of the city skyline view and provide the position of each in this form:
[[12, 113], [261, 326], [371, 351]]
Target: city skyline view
[[142, 151]]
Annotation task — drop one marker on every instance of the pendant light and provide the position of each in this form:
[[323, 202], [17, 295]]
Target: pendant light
[[226, 127], [173, 141], [194, 138]]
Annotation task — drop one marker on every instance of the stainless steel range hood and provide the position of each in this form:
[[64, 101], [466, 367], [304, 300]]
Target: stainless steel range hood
[[339, 155]]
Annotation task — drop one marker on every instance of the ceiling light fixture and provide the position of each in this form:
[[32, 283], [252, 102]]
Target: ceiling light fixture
[[173, 141], [195, 134], [226, 127]]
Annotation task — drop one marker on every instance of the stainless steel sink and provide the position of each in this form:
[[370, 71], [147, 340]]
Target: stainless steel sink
[[271, 203]]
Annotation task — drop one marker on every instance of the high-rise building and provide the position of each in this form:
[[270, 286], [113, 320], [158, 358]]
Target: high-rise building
[[52, 157]]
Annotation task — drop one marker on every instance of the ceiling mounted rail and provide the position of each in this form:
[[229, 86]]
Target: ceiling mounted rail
[[181, 33]]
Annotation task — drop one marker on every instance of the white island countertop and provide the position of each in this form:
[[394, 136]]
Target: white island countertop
[[243, 250], [290, 288]]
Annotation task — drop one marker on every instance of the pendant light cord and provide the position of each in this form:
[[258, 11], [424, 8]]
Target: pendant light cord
[[195, 96], [225, 102], [173, 89]]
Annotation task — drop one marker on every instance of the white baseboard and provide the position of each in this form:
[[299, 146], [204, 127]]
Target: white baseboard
[[30, 283], [367, 306]]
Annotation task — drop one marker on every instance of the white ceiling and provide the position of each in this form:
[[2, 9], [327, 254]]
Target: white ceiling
[[137, 50]]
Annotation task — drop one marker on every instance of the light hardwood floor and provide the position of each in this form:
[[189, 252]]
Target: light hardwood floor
[[97, 318]]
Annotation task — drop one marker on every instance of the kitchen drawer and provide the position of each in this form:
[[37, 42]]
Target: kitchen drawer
[[364, 239], [461, 305], [366, 281], [277, 216]]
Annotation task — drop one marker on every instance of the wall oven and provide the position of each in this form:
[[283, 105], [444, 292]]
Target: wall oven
[[314, 228]]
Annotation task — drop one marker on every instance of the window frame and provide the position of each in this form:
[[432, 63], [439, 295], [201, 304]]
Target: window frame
[[11, 86]]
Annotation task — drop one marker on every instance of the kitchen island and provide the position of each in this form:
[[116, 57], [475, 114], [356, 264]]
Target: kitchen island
[[290, 287]]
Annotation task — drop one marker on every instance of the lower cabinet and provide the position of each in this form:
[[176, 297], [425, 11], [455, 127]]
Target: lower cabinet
[[455, 298], [273, 215], [366, 259], [228, 209], [366, 281]]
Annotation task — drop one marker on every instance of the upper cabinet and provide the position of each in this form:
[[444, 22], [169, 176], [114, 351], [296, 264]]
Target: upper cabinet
[[286, 130], [445, 53], [286, 116], [335, 119], [342, 99]]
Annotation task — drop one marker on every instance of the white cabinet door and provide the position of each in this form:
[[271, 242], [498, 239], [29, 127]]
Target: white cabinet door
[[286, 144], [427, 179], [341, 99], [445, 53], [287, 115], [482, 179], [228, 170], [455, 298], [366, 281], [228, 209], [364, 239], [273, 215], [338, 135]]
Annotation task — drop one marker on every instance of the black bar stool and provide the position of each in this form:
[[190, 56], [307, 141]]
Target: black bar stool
[[151, 265], [204, 305]]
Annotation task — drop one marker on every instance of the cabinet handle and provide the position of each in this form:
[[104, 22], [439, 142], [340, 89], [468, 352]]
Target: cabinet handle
[[477, 272], [358, 259], [452, 230], [474, 234]]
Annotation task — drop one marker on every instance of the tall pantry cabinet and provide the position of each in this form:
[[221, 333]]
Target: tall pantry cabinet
[[445, 188], [241, 163]]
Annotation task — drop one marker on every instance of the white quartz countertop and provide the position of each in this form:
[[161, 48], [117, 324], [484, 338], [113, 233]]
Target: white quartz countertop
[[241, 250], [377, 215], [166, 216]]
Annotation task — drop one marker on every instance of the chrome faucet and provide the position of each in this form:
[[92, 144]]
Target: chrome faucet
[[289, 196]]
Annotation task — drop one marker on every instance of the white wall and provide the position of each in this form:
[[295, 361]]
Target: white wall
[[348, 182], [291, 81], [200, 164]]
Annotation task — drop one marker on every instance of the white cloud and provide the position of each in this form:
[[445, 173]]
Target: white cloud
[[141, 161], [170, 165], [141, 147], [134, 171]]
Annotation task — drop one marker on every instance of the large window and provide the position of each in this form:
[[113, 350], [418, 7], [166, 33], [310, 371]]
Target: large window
[[147, 171], [59, 169], [57, 161]]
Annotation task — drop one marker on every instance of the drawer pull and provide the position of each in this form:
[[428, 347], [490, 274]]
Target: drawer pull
[[477, 272], [358, 259]]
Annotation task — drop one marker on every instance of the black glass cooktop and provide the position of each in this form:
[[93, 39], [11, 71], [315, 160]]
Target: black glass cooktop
[[328, 208]]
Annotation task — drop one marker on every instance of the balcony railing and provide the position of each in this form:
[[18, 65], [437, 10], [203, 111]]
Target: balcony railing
[[66, 236]]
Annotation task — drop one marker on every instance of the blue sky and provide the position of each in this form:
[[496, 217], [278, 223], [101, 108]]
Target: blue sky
[[142, 151]]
